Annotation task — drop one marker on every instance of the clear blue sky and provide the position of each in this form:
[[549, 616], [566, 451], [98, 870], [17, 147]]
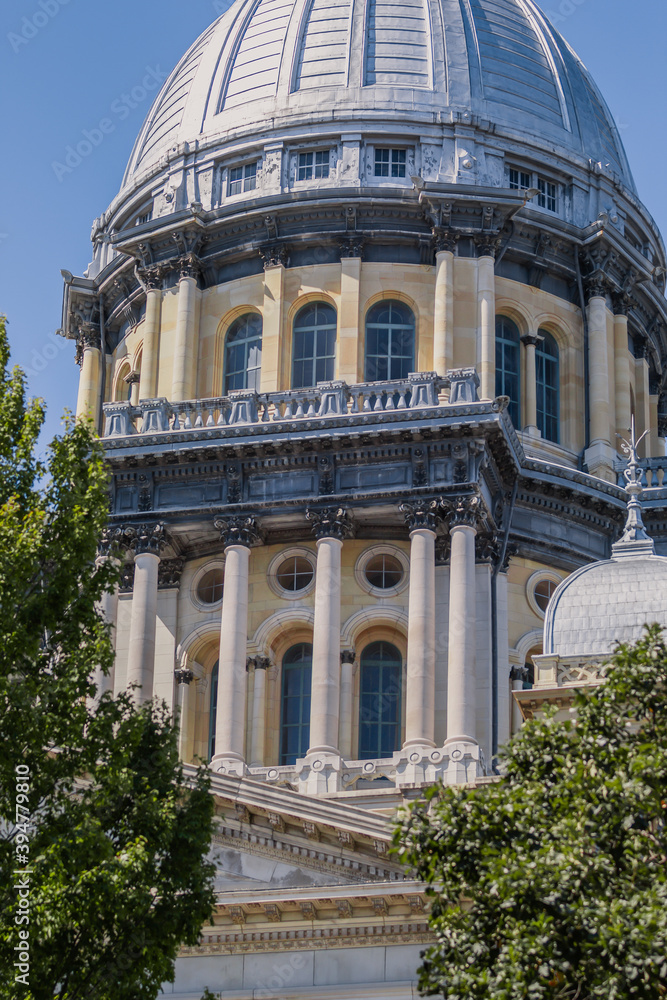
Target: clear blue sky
[[86, 53]]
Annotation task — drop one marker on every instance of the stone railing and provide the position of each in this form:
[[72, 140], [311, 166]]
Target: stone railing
[[653, 473], [568, 671], [328, 399]]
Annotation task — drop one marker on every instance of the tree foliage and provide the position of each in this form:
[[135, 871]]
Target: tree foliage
[[96, 815], [552, 883]]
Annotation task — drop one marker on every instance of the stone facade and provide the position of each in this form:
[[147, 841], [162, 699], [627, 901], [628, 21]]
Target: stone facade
[[361, 424]]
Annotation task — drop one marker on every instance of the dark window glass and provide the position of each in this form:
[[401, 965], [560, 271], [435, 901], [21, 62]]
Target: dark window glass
[[243, 354], [547, 371], [390, 162], [379, 701], [295, 707], [313, 165], [211, 585], [548, 196], [519, 179], [212, 712], [508, 365], [296, 573], [390, 342], [543, 593], [314, 345], [384, 572], [242, 179]]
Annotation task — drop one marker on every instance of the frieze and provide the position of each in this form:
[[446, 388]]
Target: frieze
[[315, 939]]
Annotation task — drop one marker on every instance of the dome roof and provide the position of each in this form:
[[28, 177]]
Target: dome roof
[[269, 63]]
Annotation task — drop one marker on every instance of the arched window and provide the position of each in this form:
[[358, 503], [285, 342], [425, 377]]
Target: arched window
[[390, 342], [380, 701], [508, 365], [295, 703], [243, 353], [548, 403], [212, 711], [314, 349]]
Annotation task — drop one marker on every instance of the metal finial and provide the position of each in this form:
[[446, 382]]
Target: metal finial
[[634, 526]]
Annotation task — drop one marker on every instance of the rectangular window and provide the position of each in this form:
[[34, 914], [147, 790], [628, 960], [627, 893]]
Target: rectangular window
[[313, 165], [519, 179], [144, 217], [242, 179], [548, 196], [390, 162]]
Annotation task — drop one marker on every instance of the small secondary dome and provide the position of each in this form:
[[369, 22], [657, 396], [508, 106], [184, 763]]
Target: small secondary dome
[[611, 601], [267, 63]]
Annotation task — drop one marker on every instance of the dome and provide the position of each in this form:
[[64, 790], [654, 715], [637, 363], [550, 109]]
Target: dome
[[497, 65]]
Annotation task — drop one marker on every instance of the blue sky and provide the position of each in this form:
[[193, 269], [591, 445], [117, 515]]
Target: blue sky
[[82, 56]]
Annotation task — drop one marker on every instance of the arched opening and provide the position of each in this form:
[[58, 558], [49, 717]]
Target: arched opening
[[243, 354], [390, 342], [380, 691], [508, 365], [548, 387], [314, 345], [213, 710], [295, 702]]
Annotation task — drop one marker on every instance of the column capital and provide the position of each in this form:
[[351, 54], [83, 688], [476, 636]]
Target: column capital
[[88, 338], [422, 515], [273, 255], [189, 266], [487, 244], [531, 339], [348, 655], [151, 275], [445, 240], [351, 247], [169, 574], [145, 539], [258, 662], [133, 378], [330, 522], [184, 675], [239, 531], [463, 511]]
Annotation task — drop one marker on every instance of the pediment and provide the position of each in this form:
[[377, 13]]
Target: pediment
[[247, 869]]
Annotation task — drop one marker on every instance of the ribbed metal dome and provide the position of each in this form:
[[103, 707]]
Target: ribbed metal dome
[[268, 63]]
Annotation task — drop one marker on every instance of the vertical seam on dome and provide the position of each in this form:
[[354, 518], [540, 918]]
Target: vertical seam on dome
[[215, 71], [537, 26], [234, 53], [470, 29], [297, 52]]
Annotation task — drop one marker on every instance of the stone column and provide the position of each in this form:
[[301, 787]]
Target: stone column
[[146, 540], [530, 342], [421, 520], [133, 380], [600, 454], [518, 675], [89, 356], [622, 368], [347, 359], [108, 608], [443, 314], [461, 678], [184, 677], [260, 666], [486, 298], [238, 535], [330, 527], [152, 278], [347, 658], [186, 346]]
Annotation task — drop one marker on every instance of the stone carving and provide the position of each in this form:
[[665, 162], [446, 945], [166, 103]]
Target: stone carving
[[445, 239], [88, 338], [169, 574], [272, 913], [238, 531], [126, 584], [348, 656], [145, 502], [276, 822], [308, 910], [184, 675], [421, 515], [330, 522], [274, 255], [143, 538], [325, 466], [464, 510], [311, 830], [353, 247], [463, 385], [151, 275], [419, 474], [344, 907]]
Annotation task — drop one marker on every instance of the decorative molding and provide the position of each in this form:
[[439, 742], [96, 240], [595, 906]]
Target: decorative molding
[[126, 584], [348, 656], [330, 522], [146, 538], [239, 531], [337, 937], [463, 511], [274, 255], [184, 675], [169, 574], [352, 247], [445, 239], [422, 515]]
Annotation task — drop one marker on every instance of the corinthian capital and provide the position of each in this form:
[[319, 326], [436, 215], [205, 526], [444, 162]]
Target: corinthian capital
[[463, 511], [151, 275], [146, 538], [421, 515], [330, 522], [238, 531]]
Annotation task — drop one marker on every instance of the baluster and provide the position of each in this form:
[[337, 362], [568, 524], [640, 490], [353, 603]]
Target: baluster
[[222, 416], [289, 410], [299, 409], [378, 403], [402, 405], [649, 478], [187, 423], [277, 415], [354, 401], [176, 425], [312, 412], [389, 405], [264, 403], [367, 404], [661, 475], [210, 421]]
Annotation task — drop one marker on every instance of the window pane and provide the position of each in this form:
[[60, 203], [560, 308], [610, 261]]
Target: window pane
[[548, 394], [212, 712], [314, 346], [508, 361], [295, 709], [379, 701], [390, 342], [243, 353]]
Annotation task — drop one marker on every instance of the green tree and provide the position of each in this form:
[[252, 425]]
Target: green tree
[[552, 882], [109, 875]]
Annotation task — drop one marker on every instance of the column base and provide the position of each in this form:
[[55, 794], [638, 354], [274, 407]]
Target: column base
[[457, 763], [230, 765], [320, 773], [599, 460]]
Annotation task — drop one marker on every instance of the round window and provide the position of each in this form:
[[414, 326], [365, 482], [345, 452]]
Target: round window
[[295, 573], [210, 587], [543, 592], [384, 572]]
